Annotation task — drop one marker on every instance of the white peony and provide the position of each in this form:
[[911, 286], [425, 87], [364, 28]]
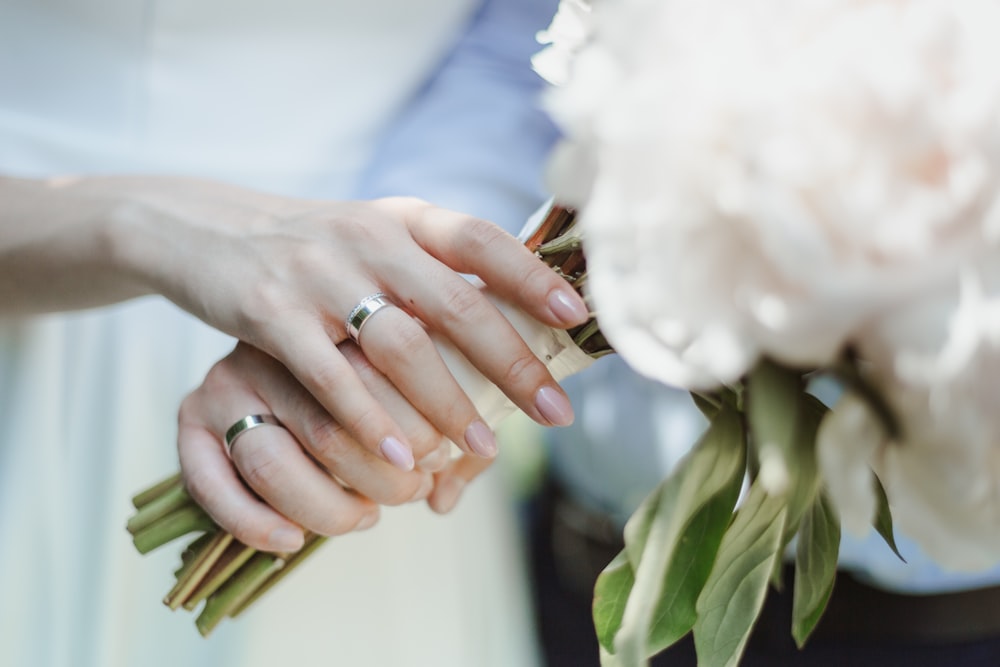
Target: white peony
[[937, 361], [771, 177], [570, 28]]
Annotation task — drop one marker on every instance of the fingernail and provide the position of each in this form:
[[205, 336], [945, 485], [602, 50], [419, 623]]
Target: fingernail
[[397, 453], [554, 406], [285, 539], [367, 521], [480, 439], [434, 461], [568, 307], [426, 486], [446, 495]]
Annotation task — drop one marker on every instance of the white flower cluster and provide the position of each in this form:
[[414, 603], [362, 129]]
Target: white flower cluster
[[790, 177]]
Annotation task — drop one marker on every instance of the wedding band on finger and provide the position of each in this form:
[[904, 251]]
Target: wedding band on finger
[[362, 312], [248, 423]]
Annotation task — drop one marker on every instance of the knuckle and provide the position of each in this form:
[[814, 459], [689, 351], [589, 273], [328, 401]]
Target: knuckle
[[411, 339], [259, 466], [325, 437], [485, 235], [322, 377], [200, 487], [463, 302], [361, 423], [525, 369]]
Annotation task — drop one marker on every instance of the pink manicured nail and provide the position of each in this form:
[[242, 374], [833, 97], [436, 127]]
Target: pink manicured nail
[[446, 495], [480, 439], [568, 307], [436, 460], [397, 453], [554, 406], [285, 539], [367, 521]]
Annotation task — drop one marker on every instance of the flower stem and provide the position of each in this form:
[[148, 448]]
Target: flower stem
[[313, 542], [170, 500], [199, 565], [187, 519], [155, 491], [232, 559], [238, 588]]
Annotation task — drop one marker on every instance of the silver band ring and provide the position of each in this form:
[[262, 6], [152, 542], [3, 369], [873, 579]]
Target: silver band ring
[[247, 423], [365, 309]]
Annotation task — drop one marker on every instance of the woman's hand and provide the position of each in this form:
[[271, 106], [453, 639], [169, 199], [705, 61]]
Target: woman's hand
[[284, 274], [308, 473]]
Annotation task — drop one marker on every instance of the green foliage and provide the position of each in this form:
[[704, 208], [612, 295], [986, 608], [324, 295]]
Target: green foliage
[[815, 567], [691, 564], [654, 537], [883, 517], [610, 594], [734, 593]]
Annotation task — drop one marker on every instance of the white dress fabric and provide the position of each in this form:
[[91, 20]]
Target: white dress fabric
[[289, 97]]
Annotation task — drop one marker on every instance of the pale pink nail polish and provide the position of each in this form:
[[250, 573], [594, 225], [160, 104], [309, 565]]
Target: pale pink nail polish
[[481, 440], [367, 521], [285, 539], [436, 460], [446, 494], [397, 453], [568, 307], [554, 406]]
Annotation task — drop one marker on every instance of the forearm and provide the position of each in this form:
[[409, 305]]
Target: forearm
[[80, 242]]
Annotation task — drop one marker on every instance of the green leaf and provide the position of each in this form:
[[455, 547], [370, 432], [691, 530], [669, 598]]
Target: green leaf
[[734, 593], [610, 594], [815, 567], [773, 404], [883, 517], [638, 525], [705, 472], [806, 479], [690, 566], [708, 405]]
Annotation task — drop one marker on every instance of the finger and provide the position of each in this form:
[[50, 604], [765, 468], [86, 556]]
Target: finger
[[274, 465], [449, 483], [460, 312], [332, 446], [471, 245], [401, 348], [270, 461], [212, 481], [313, 359]]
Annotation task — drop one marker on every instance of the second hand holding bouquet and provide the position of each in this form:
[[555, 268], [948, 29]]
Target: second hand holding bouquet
[[223, 577]]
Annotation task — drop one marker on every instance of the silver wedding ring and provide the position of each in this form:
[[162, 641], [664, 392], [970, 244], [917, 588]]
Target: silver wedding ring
[[365, 309], [247, 423]]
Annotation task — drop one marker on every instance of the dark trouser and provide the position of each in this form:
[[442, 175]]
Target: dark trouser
[[863, 626]]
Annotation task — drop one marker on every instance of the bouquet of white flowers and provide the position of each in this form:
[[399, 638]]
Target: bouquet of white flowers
[[771, 191]]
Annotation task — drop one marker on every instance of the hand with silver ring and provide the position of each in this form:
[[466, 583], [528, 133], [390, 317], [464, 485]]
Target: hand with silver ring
[[283, 273], [303, 470]]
